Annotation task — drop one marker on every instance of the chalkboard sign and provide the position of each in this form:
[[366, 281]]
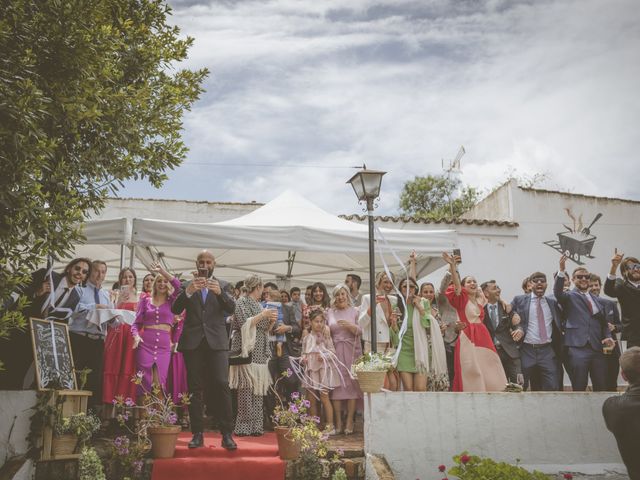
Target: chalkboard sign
[[52, 355]]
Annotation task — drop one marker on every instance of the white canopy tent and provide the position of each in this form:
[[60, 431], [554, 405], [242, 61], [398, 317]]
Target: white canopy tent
[[289, 240]]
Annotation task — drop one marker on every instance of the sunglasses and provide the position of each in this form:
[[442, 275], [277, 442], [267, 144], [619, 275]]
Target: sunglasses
[[634, 266], [81, 270], [538, 280], [583, 277]]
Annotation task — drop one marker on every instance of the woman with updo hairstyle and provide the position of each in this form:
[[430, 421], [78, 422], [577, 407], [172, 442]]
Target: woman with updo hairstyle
[[386, 321], [477, 365], [342, 319], [249, 357]]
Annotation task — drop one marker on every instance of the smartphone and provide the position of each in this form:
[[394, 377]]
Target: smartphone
[[456, 253], [124, 289], [203, 272]]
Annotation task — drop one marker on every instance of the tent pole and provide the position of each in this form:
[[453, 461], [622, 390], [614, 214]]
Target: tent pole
[[372, 278], [122, 256], [132, 256]]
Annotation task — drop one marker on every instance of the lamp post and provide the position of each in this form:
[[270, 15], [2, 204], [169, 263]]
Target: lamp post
[[366, 185]]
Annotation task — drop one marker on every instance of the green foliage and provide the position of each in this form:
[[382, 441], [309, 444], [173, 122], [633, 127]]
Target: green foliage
[[472, 467], [339, 474], [90, 96], [81, 425], [308, 466], [434, 197], [90, 465]]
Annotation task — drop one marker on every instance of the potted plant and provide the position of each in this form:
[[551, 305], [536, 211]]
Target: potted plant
[[370, 370], [287, 417], [157, 423], [73, 432]]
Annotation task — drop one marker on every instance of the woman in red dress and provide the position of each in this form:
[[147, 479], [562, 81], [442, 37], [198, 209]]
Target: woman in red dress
[[119, 357], [477, 364]]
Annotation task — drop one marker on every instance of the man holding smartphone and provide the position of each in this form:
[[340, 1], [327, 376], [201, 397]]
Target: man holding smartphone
[[205, 344]]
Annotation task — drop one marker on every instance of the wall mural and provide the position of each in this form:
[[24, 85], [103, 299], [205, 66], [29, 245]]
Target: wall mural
[[576, 242]]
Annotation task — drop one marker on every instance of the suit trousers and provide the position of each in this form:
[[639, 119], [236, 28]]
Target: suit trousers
[[586, 362], [613, 368], [540, 367], [87, 353], [207, 366], [512, 366]]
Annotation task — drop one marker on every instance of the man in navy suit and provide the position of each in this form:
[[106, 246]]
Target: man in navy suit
[[504, 330], [612, 316], [542, 341], [586, 330]]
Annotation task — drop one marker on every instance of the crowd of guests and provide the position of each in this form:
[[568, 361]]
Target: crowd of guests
[[228, 344]]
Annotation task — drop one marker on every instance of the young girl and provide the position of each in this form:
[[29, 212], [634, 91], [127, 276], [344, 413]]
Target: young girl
[[320, 367]]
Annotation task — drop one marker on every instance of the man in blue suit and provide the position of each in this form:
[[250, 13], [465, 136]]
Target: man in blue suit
[[586, 330], [542, 341]]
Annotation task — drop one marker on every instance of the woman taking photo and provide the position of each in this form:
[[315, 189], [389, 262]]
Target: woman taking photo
[[342, 319], [386, 321], [420, 359], [152, 330], [119, 360], [250, 340], [476, 362]]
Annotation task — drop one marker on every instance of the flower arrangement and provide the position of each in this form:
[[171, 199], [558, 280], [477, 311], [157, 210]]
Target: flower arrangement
[[158, 409], [126, 458], [372, 362], [82, 425], [472, 467]]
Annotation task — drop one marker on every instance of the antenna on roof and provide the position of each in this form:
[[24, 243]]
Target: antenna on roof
[[454, 169], [454, 165]]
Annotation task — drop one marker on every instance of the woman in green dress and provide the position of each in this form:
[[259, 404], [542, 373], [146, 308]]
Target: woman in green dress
[[420, 358]]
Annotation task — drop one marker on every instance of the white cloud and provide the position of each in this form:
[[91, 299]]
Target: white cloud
[[538, 86]]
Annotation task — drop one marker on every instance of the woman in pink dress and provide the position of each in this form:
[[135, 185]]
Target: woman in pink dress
[[342, 319], [477, 364], [152, 331]]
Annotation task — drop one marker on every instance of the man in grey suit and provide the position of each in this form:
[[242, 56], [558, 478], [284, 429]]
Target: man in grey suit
[[205, 346], [504, 330]]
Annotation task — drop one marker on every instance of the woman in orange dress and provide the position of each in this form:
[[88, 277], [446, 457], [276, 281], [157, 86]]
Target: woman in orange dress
[[476, 362]]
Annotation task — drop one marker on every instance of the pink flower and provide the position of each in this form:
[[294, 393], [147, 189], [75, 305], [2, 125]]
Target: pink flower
[[442, 468], [464, 459], [568, 476]]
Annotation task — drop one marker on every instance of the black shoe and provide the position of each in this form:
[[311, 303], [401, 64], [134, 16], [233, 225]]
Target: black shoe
[[227, 442], [197, 440]]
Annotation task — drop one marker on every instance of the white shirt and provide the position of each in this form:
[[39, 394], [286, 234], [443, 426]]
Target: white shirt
[[594, 305], [533, 332]]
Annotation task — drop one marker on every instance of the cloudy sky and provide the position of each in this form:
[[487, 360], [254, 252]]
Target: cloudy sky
[[302, 90]]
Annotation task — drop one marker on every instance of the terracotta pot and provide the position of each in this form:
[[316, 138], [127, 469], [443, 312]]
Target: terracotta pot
[[64, 444], [288, 448], [163, 440]]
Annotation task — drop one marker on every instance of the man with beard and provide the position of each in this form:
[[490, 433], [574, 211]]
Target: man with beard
[[627, 291], [205, 346], [586, 332]]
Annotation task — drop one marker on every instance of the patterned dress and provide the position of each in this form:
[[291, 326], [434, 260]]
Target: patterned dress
[[251, 389]]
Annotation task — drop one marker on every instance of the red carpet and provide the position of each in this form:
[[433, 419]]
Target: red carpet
[[255, 459]]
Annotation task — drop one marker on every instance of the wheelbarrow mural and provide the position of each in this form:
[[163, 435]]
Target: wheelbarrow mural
[[577, 242]]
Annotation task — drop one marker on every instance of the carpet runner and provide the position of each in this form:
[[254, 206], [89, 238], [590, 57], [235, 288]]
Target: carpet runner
[[255, 459]]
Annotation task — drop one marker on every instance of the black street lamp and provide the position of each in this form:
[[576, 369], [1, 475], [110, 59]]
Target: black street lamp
[[366, 185]]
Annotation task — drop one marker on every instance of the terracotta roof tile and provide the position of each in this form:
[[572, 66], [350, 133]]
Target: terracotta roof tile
[[445, 221]]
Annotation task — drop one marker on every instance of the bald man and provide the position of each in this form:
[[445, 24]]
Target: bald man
[[205, 344]]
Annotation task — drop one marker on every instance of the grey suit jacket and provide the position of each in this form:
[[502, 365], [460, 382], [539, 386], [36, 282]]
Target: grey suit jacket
[[205, 320], [503, 332]]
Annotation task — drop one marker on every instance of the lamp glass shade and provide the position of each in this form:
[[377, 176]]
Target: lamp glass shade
[[366, 183]]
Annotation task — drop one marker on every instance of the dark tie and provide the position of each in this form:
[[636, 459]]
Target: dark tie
[[542, 327], [96, 296], [62, 297], [494, 315], [586, 299]]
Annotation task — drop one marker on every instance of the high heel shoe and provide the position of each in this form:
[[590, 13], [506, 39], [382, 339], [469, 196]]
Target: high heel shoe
[[348, 431]]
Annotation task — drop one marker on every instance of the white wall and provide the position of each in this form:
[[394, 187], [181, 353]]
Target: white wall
[[15, 410], [551, 431]]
